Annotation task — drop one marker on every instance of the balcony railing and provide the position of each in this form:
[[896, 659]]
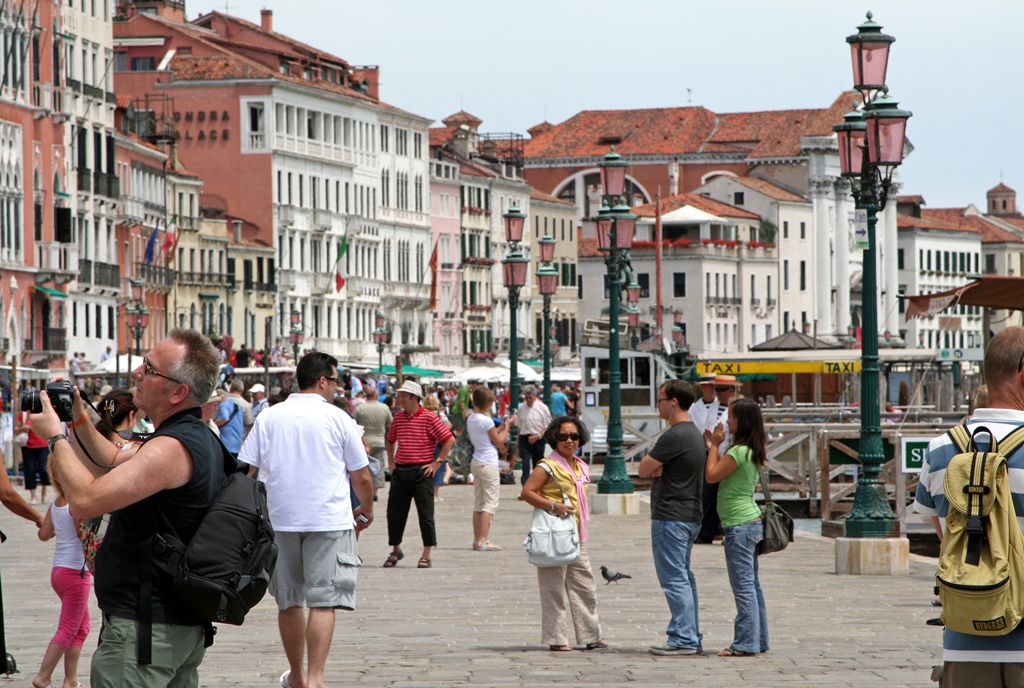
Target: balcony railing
[[156, 276], [55, 339], [85, 273], [107, 275], [187, 224], [286, 279], [41, 97], [94, 92], [55, 257], [755, 302], [214, 279], [322, 283], [286, 215], [772, 303], [322, 219], [84, 179]]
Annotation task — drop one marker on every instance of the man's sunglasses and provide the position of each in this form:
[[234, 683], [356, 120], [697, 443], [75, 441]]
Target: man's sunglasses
[[724, 388], [563, 436]]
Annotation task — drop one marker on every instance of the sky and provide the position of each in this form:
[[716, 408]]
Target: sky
[[516, 63]]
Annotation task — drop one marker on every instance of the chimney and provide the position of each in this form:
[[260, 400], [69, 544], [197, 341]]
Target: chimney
[[238, 230], [267, 19], [673, 178]]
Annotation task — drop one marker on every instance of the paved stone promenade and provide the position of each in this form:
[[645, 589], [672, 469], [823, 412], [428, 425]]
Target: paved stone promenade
[[474, 619]]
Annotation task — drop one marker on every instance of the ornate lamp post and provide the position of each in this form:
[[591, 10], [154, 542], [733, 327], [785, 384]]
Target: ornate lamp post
[[136, 316], [615, 226], [381, 337], [547, 284], [513, 270], [296, 335], [870, 148]]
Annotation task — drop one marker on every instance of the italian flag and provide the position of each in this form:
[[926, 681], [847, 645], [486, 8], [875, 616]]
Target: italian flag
[[339, 265], [170, 240]]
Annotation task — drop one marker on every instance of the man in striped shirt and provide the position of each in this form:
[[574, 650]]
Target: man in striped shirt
[[414, 434], [974, 660]]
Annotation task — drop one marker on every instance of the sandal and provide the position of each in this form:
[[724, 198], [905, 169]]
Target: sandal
[[561, 648], [599, 645], [729, 652], [393, 559], [423, 563], [485, 547]]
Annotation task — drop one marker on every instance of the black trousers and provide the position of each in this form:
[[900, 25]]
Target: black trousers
[[530, 454], [711, 524], [410, 483]]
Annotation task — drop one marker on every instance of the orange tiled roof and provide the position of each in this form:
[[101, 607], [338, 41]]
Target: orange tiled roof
[[916, 199], [538, 195], [708, 205], [439, 136], [911, 222], [770, 189], [299, 47], [239, 66], [753, 135], [462, 117], [990, 233], [1001, 188]]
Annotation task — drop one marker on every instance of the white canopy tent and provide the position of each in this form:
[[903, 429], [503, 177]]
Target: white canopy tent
[[495, 373]]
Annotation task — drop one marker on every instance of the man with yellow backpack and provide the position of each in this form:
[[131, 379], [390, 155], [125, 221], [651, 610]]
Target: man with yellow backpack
[[970, 480]]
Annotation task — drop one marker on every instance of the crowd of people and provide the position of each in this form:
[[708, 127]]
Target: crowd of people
[[148, 460]]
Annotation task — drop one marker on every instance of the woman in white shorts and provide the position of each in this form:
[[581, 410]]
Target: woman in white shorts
[[488, 445]]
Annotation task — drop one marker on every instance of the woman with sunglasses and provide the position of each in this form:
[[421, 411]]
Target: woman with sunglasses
[[738, 471], [572, 589]]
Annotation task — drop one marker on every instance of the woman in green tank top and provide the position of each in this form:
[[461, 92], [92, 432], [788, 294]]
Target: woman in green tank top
[[738, 472]]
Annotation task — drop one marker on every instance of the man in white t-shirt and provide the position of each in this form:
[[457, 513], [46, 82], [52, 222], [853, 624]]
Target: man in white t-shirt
[[310, 455]]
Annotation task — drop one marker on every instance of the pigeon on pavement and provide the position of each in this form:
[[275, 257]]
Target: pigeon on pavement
[[610, 575]]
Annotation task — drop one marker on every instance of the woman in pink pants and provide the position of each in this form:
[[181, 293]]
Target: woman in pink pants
[[71, 581]]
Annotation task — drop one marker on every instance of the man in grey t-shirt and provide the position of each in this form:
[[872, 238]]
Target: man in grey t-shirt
[[375, 419], [677, 465]]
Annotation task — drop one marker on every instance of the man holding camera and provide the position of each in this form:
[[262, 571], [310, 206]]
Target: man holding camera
[[310, 453], [165, 485]]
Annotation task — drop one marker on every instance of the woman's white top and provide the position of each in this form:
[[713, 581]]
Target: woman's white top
[[479, 426], [68, 553]]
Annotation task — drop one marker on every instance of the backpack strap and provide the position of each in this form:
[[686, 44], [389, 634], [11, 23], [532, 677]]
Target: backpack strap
[[963, 439]]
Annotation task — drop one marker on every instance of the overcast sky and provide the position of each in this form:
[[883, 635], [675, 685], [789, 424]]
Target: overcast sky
[[515, 63]]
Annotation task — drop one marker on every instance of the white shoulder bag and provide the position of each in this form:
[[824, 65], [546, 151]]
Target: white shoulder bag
[[553, 540]]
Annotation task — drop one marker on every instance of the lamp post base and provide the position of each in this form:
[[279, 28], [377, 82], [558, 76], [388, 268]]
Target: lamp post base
[[613, 504], [860, 556]]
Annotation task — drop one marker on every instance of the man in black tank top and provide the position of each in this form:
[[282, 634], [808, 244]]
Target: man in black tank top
[[163, 486]]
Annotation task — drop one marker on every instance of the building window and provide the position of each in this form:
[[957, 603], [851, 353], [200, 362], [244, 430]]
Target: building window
[[679, 284], [803, 230], [644, 280], [141, 64], [785, 229], [785, 278], [737, 198], [899, 259], [803, 275]]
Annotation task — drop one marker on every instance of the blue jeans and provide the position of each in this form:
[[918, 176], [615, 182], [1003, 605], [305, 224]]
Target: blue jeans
[[750, 632], [672, 542]]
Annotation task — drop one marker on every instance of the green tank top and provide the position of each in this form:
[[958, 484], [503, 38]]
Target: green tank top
[[736, 504]]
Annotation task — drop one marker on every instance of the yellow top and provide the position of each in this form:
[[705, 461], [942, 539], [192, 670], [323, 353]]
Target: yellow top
[[550, 491]]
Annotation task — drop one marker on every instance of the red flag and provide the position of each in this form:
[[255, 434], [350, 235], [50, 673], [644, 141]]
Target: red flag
[[433, 279]]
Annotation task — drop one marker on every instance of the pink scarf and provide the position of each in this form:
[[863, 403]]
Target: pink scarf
[[581, 491]]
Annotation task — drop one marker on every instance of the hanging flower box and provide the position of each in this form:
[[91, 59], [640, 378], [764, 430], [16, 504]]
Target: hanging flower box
[[478, 260], [682, 243], [753, 244], [706, 242], [482, 355], [478, 308]]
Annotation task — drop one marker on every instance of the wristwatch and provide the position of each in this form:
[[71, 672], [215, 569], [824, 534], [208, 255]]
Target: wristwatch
[[52, 442]]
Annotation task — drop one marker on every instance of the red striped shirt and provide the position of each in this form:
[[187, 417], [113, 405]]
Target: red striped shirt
[[417, 435]]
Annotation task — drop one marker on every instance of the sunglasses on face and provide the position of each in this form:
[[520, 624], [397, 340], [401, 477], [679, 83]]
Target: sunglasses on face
[[723, 389], [564, 436]]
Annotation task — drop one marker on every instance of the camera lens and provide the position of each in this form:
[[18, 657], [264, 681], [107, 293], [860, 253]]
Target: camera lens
[[30, 401]]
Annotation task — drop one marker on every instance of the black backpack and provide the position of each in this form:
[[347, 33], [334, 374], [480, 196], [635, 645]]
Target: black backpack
[[225, 569]]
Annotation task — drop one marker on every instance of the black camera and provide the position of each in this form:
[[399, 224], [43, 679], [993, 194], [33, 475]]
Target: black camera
[[61, 396]]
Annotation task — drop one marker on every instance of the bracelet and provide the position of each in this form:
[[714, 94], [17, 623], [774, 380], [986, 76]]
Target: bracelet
[[79, 422]]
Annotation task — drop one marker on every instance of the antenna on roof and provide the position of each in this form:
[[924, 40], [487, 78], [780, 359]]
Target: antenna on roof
[[689, 96]]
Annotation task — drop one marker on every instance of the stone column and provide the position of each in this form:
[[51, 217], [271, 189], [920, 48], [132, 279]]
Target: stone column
[[890, 320], [841, 240], [824, 228]]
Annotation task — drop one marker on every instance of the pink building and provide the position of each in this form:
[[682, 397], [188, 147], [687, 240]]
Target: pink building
[[445, 210]]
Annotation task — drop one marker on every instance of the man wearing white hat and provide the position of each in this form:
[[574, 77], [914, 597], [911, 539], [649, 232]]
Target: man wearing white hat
[[412, 437], [259, 399], [725, 387]]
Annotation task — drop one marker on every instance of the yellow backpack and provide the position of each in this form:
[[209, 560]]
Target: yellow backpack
[[981, 561]]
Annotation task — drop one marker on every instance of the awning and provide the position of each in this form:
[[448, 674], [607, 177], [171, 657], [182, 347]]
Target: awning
[[410, 370], [52, 292], [986, 292]]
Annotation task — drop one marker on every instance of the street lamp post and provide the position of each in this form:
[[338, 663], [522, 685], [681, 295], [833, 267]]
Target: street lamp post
[[136, 315], [296, 335], [870, 148], [615, 225], [547, 284], [514, 269], [381, 337]]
